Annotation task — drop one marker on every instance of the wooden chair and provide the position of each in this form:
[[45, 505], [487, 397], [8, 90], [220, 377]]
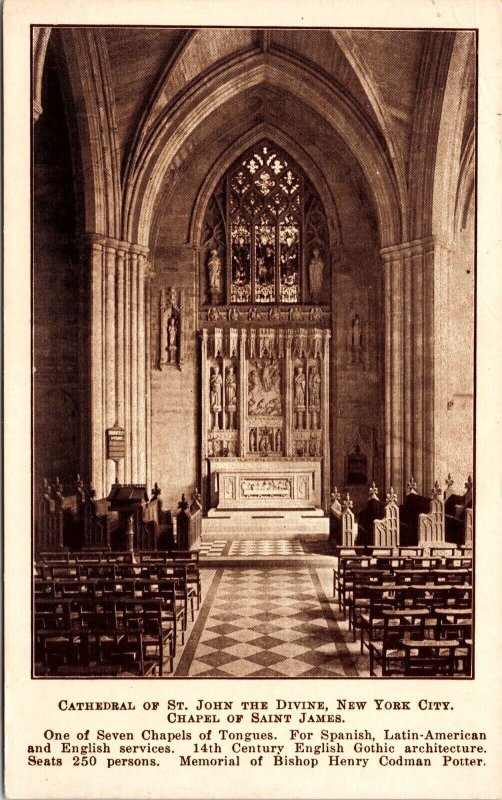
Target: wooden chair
[[429, 657], [390, 652]]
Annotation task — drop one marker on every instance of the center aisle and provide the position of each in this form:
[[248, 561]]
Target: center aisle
[[266, 621]]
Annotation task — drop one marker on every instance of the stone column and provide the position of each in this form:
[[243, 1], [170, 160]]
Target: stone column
[[416, 337], [127, 367], [110, 354], [148, 375], [387, 266], [243, 393], [94, 247], [397, 404], [141, 386], [287, 399], [417, 357], [326, 493], [120, 342], [204, 400], [119, 360], [408, 367], [133, 443]]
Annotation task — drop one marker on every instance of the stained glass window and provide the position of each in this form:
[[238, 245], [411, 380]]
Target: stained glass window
[[265, 205]]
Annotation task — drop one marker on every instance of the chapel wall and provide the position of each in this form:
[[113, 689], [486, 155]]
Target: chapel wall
[[356, 392]]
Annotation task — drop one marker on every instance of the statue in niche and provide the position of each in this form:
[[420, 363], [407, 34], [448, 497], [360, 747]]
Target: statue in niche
[[230, 396], [278, 441], [356, 340], [252, 441], [214, 273], [172, 334], [314, 397], [313, 448], [215, 396], [316, 275], [264, 444], [169, 351], [299, 397]]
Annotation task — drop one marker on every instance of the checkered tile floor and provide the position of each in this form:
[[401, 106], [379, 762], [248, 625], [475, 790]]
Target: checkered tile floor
[[268, 622], [261, 547], [267, 547]]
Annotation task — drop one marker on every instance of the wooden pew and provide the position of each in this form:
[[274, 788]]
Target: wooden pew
[[414, 505], [48, 521], [349, 524], [386, 530], [455, 508], [189, 523], [97, 523], [366, 517], [335, 519], [431, 526]]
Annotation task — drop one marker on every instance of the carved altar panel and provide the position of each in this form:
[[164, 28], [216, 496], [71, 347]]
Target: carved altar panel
[[265, 487]]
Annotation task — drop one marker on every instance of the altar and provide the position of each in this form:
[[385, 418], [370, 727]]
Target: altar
[[282, 484], [265, 420]]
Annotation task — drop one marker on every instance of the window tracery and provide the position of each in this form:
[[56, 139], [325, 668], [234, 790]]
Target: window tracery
[[264, 220]]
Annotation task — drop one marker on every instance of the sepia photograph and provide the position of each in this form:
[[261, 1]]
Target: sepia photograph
[[253, 322]]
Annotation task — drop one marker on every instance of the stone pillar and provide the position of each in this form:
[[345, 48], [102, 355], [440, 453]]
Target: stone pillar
[[148, 375], [120, 342], [387, 266], [417, 357], [243, 393], [416, 336], [119, 347], [141, 387], [287, 399], [326, 494], [204, 404], [408, 367], [397, 404], [110, 354], [127, 367], [133, 443], [94, 247]]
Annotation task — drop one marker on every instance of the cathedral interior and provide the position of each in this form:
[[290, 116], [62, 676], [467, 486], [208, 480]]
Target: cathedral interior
[[253, 284]]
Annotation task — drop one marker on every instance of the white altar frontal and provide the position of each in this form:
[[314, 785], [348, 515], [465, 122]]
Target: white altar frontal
[[281, 484]]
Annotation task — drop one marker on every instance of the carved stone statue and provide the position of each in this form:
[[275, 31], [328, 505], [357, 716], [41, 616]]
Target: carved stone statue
[[215, 389], [314, 397], [170, 318], [172, 337], [299, 396], [164, 322], [252, 441], [316, 274], [264, 444], [356, 340], [214, 273], [278, 441], [230, 396]]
